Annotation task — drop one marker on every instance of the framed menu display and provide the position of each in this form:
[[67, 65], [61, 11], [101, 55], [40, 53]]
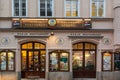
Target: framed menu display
[[106, 61], [117, 61]]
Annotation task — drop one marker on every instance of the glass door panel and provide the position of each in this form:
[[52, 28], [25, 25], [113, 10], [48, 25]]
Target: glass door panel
[[24, 60], [77, 60], [30, 59], [36, 60], [89, 60], [42, 60], [64, 61]]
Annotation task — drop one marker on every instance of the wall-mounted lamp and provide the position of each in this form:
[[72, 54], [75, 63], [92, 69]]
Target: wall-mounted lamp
[[52, 33]]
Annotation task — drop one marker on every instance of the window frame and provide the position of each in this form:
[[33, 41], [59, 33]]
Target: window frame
[[20, 14], [78, 5], [59, 53], [118, 53], [46, 9], [104, 10], [14, 65]]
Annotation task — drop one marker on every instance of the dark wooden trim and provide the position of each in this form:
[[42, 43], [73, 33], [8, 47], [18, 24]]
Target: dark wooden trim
[[55, 29]]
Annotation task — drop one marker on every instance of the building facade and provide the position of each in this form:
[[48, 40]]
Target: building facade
[[59, 39]]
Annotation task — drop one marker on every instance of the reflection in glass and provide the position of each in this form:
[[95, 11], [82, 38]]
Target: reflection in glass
[[87, 46], [89, 60], [37, 46], [64, 61], [10, 61], [30, 45], [42, 46], [100, 9], [53, 61], [94, 9], [24, 55], [71, 7], [97, 8], [24, 46], [77, 60], [3, 60], [107, 61]]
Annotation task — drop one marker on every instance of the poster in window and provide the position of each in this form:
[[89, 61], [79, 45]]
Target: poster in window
[[53, 62], [107, 58], [117, 61], [64, 61], [3, 60], [10, 61]]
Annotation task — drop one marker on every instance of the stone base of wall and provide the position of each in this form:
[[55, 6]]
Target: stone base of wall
[[8, 76], [62, 76], [84, 79], [108, 75]]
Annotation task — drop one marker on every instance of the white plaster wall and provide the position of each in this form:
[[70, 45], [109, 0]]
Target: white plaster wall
[[102, 25], [117, 25], [5, 8], [5, 24], [32, 8], [52, 44]]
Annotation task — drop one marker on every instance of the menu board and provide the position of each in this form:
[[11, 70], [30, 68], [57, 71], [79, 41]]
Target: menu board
[[107, 61]]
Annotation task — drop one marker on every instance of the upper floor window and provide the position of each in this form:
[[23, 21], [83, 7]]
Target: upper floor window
[[71, 8], [19, 7], [7, 61], [46, 8], [97, 8]]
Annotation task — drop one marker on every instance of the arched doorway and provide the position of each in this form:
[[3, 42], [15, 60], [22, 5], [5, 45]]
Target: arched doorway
[[33, 59], [84, 60]]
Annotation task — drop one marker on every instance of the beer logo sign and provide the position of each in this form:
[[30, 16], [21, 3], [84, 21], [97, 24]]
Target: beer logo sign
[[51, 22]]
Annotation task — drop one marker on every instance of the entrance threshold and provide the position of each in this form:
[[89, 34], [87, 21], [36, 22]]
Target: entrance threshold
[[84, 79]]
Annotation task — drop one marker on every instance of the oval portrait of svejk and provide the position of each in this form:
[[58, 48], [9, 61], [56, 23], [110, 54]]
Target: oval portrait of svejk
[[52, 22], [106, 41], [5, 40], [59, 41]]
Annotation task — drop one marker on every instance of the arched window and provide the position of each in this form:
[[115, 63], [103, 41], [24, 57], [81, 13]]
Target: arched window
[[84, 59], [7, 60], [33, 56]]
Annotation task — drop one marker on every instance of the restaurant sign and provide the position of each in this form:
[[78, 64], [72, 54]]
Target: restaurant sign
[[52, 23]]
